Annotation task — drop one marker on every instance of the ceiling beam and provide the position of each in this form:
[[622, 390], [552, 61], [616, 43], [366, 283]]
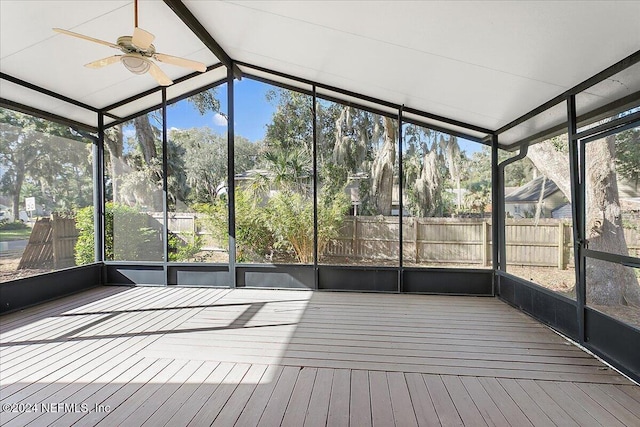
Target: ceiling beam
[[198, 29]]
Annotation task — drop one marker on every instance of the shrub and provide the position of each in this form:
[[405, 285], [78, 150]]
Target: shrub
[[6, 225], [283, 223], [139, 236]]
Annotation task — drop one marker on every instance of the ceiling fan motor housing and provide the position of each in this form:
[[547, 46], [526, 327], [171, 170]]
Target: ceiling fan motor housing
[[126, 45]]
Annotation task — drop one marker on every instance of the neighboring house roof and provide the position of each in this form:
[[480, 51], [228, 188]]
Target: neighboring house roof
[[563, 211], [530, 192]]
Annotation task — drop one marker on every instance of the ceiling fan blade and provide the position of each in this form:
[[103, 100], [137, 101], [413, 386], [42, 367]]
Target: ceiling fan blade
[[181, 62], [104, 62], [81, 36], [142, 39], [159, 75]]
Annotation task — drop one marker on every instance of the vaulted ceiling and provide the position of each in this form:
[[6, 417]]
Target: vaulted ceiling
[[482, 63]]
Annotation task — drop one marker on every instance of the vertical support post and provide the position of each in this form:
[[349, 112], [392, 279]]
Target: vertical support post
[[231, 190], [315, 189], [485, 242], [576, 168], [400, 205], [561, 245], [497, 208], [98, 193], [165, 198]]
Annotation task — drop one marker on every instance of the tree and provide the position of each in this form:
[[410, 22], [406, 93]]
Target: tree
[[607, 283], [433, 163], [50, 158]]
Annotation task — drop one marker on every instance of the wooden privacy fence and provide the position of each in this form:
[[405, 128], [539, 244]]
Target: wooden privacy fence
[[544, 243], [51, 244]]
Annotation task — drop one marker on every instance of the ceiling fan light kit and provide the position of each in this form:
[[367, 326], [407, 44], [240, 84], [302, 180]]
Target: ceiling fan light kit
[[138, 53], [137, 64]]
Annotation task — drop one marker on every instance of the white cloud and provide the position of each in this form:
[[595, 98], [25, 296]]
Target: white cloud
[[219, 120]]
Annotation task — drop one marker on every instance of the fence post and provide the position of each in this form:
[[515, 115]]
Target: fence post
[[561, 245], [354, 237], [485, 242], [195, 227], [54, 240], [416, 223]]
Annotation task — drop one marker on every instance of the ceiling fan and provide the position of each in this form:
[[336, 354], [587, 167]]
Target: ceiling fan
[[138, 53]]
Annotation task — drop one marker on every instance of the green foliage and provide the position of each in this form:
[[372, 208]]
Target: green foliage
[[138, 237], [84, 249], [52, 160], [183, 248], [130, 235], [281, 225], [290, 219], [628, 154], [253, 238], [6, 225]]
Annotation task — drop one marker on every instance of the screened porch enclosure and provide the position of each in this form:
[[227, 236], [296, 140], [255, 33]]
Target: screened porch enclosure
[[449, 194]]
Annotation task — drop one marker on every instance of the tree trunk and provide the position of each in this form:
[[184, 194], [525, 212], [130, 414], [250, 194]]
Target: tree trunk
[[15, 200], [607, 283], [146, 138], [382, 170], [115, 144], [553, 164]]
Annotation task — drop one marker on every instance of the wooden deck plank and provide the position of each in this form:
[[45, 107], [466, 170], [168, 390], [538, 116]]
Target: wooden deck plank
[[546, 403], [442, 402], [240, 396], [591, 406], [503, 401], [254, 408], [566, 402], [621, 397], [296, 411], [403, 413], [378, 350], [320, 398], [118, 393], [381, 408], [212, 407], [159, 394], [339, 402], [125, 408], [463, 402], [198, 398], [619, 411], [360, 399], [279, 399], [181, 396], [525, 403], [486, 406], [246, 357]]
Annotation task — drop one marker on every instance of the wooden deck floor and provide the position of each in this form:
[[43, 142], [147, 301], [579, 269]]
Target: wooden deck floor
[[186, 356]]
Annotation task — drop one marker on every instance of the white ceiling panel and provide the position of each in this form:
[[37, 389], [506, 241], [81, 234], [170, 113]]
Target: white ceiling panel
[[140, 104], [197, 82], [31, 51], [39, 101], [484, 63], [251, 72]]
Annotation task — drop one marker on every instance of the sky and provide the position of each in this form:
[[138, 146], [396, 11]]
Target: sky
[[253, 113]]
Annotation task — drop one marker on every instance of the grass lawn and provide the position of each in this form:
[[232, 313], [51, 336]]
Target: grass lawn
[[8, 235]]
